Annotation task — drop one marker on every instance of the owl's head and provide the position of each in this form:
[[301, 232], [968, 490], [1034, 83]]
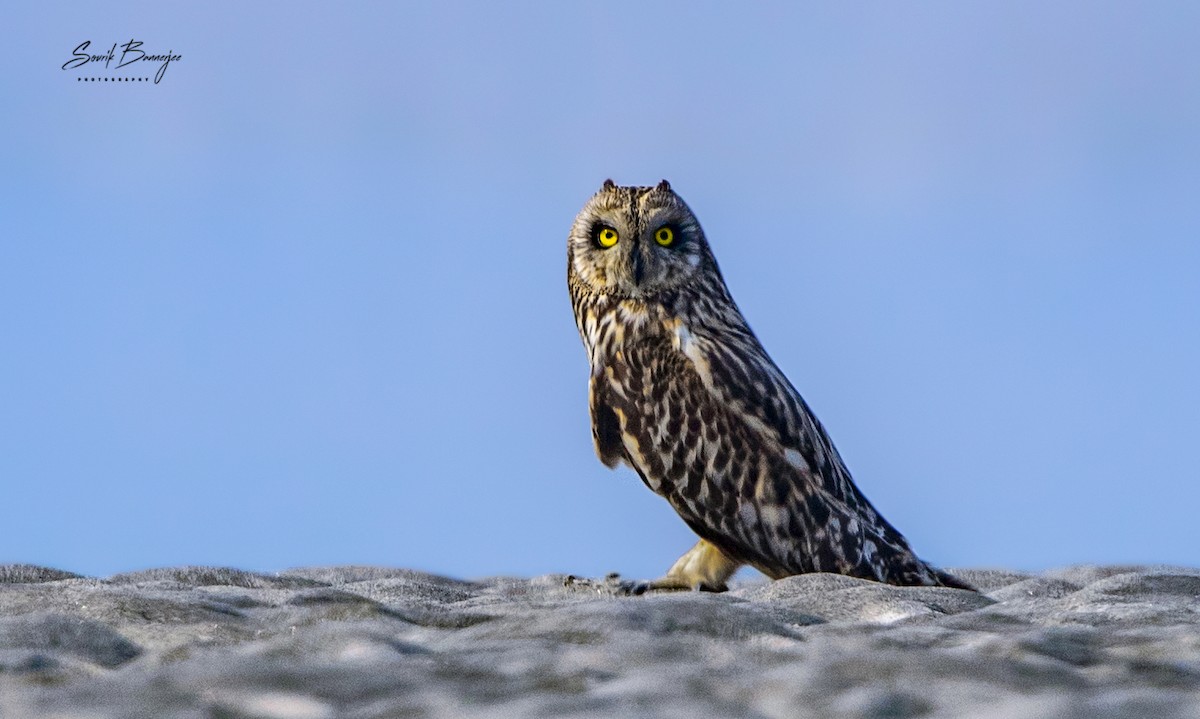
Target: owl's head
[[637, 241]]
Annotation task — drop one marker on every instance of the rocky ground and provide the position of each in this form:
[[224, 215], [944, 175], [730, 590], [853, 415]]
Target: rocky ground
[[368, 642]]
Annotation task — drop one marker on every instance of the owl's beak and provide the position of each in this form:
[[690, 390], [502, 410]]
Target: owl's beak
[[637, 268]]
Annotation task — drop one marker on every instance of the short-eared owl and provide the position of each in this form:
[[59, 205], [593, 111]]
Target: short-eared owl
[[682, 392]]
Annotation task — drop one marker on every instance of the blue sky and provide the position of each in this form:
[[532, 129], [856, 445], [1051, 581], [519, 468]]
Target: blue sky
[[303, 301]]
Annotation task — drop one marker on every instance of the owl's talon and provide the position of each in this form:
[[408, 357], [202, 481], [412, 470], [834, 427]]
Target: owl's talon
[[612, 584], [671, 583]]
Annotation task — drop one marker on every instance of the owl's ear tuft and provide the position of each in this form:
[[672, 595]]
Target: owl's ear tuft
[[663, 186], [608, 185]]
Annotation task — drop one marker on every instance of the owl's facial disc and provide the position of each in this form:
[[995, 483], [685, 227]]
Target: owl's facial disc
[[636, 241]]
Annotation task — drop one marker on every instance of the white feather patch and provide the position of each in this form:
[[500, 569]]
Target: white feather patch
[[685, 342], [796, 459], [773, 515]]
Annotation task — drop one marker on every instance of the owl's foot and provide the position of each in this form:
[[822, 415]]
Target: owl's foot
[[613, 585], [703, 567], [671, 583]]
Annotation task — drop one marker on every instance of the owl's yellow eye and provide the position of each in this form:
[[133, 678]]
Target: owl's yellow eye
[[664, 236], [607, 237]]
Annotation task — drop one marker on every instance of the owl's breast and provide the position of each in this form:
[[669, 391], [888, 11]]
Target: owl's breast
[[673, 431]]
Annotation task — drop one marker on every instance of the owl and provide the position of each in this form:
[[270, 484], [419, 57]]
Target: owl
[[683, 392]]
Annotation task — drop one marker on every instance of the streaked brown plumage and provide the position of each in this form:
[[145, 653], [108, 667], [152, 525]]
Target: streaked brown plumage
[[682, 391]]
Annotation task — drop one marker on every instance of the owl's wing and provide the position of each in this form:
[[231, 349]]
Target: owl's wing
[[697, 374], [741, 377], [795, 467]]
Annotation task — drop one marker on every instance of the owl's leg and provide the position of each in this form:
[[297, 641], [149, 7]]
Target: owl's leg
[[702, 567]]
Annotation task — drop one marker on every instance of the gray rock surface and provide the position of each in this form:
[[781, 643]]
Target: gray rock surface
[[370, 642]]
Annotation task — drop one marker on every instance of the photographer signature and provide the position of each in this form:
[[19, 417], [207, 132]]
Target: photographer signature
[[130, 53]]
